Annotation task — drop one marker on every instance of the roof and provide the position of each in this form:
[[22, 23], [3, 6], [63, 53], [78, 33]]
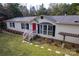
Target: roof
[[65, 19], [73, 19], [28, 19]]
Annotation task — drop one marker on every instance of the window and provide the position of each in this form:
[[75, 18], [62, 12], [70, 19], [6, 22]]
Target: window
[[45, 29], [24, 26], [12, 24], [50, 29], [40, 29], [27, 26]]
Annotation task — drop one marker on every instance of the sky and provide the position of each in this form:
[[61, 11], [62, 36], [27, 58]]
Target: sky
[[37, 2]]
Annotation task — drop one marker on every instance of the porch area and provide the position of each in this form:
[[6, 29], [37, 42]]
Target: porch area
[[46, 36], [44, 29]]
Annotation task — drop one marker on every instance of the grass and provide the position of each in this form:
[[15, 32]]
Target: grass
[[12, 45]]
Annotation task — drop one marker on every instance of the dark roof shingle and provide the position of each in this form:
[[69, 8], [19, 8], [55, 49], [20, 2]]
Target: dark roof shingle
[[65, 19], [73, 19]]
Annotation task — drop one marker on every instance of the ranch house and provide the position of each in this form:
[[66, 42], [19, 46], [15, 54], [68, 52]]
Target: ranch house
[[48, 26]]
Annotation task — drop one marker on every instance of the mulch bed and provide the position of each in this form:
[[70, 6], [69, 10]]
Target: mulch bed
[[57, 43], [14, 31]]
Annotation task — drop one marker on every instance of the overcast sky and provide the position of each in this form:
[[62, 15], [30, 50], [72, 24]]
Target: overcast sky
[[37, 2]]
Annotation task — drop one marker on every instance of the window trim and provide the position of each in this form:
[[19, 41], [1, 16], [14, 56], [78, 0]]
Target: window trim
[[12, 24], [50, 30], [25, 26], [47, 30], [22, 26]]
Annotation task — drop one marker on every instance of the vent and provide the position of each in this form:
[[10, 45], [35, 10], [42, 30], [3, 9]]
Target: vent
[[42, 17], [76, 21]]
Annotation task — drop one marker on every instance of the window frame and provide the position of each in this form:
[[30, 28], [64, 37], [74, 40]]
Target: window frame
[[45, 29], [25, 26], [50, 30], [22, 26], [12, 24]]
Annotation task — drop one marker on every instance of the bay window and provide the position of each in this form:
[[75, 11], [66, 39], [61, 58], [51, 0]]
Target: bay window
[[47, 29]]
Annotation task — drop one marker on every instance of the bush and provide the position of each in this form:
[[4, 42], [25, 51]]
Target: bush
[[77, 50]]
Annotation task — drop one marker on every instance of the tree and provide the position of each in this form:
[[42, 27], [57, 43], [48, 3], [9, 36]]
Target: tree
[[32, 11], [58, 9], [3, 11], [42, 10], [73, 9], [14, 9], [3, 14], [8, 11], [24, 10]]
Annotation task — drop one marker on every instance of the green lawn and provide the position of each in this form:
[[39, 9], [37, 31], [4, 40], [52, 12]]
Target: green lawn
[[11, 44]]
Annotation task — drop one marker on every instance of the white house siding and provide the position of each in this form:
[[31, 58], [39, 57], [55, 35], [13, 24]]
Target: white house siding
[[8, 26], [69, 29], [59, 28], [17, 26]]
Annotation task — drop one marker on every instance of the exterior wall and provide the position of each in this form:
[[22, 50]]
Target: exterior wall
[[59, 28], [17, 26], [69, 29]]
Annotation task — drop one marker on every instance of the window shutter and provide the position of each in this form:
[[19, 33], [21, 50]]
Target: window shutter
[[38, 28], [53, 30]]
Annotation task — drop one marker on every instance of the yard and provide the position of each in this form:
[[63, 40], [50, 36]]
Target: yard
[[12, 45]]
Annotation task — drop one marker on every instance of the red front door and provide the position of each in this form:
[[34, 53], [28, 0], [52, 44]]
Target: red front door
[[34, 27]]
